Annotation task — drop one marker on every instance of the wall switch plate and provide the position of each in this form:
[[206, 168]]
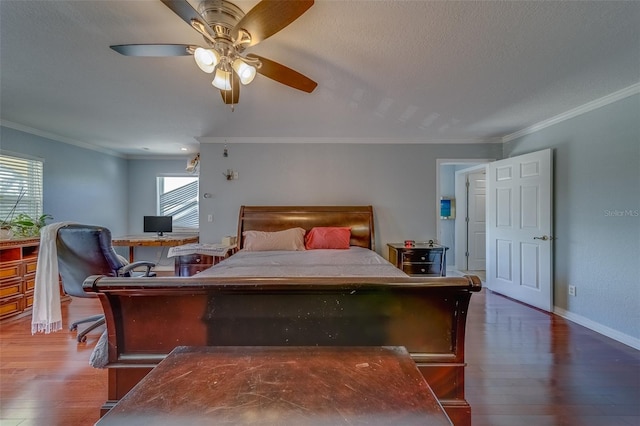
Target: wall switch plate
[[235, 175], [572, 290], [210, 218]]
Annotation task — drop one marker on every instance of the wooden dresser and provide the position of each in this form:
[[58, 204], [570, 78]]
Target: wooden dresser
[[18, 260], [420, 259]]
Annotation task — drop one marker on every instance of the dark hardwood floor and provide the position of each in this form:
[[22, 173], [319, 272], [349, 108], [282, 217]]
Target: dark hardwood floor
[[525, 367]]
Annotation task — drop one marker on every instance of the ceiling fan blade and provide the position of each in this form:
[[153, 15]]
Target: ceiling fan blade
[[153, 49], [268, 17], [184, 10], [284, 75], [230, 97]]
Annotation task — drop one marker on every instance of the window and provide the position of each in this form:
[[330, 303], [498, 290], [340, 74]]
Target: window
[[21, 183], [178, 197]]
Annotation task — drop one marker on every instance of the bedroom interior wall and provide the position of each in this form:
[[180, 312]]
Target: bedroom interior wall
[[596, 215], [447, 227], [142, 201], [398, 180], [79, 184]]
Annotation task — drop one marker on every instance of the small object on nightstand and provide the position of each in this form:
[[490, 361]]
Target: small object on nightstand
[[409, 243], [229, 241]]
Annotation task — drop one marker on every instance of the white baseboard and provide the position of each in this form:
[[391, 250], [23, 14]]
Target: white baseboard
[[599, 328]]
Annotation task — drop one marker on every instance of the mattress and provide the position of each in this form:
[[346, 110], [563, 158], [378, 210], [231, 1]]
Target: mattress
[[353, 262]]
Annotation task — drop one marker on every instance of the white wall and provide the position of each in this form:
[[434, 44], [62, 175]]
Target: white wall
[[80, 185], [142, 197], [596, 215], [398, 180]]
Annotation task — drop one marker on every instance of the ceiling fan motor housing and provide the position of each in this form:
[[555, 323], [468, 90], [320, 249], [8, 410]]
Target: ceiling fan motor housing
[[222, 16]]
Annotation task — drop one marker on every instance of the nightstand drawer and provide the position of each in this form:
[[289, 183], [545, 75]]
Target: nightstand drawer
[[195, 259], [422, 255], [421, 268], [191, 264]]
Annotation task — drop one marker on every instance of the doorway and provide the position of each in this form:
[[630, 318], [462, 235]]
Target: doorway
[[452, 233]]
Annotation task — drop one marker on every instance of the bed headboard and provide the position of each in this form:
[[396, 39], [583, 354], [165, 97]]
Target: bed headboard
[[278, 218]]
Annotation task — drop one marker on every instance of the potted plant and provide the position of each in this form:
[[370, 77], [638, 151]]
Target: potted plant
[[25, 226], [5, 230]]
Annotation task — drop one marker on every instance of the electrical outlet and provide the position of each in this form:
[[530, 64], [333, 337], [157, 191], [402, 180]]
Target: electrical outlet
[[235, 175], [572, 290]]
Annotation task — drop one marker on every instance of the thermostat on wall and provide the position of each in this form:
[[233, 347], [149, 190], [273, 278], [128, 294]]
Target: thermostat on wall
[[447, 208]]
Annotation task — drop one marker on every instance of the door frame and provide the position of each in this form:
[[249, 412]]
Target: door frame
[[471, 162], [461, 230]]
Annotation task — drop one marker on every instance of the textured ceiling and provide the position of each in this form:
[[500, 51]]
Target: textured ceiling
[[393, 71]]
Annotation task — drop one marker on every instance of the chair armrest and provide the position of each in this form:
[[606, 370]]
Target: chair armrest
[[127, 269]]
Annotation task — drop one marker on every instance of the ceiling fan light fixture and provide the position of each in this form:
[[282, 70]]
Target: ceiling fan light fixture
[[222, 79], [245, 72], [206, 59]]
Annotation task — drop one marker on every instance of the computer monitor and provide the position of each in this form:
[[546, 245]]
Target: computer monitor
[[158, 224]]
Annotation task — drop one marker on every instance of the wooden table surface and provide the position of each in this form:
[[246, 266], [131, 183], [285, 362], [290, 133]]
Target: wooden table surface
[[152, 240], [281, 386]]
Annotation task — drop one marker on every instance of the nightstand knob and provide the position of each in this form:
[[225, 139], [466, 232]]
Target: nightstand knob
[[198, 260], [422, 270]]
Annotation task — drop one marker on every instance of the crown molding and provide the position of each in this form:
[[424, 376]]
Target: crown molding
[[589, 106], [57, 138], [358, 140]]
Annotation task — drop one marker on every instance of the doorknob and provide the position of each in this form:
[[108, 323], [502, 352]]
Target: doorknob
[[544, 238]]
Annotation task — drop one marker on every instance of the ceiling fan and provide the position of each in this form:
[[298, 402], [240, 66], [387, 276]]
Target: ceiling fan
[[228, 31]]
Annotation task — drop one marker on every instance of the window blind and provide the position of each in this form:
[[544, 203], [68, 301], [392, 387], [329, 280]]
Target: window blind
[[181, 203], [21, 183]]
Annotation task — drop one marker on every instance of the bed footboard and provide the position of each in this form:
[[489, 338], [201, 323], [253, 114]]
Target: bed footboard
[[147, 318]]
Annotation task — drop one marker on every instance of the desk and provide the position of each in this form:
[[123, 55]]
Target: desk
[[292, 385], [133, 241]]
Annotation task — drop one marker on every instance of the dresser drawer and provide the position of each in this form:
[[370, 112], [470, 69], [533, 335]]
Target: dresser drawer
[[11, 306], [9, 271], [11, 288], [29, 283], [30, 267], [28, 300]]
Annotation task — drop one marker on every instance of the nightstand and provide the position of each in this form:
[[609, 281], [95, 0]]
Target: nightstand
[[421, 259], [194, 258]]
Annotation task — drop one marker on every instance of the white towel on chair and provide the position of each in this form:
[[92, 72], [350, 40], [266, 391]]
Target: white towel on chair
[[47, 316]]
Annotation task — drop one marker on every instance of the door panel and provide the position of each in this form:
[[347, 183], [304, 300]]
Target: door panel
[[477, 222], [519, 198]]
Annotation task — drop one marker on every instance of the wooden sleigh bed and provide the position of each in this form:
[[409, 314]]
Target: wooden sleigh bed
[[147, 318]]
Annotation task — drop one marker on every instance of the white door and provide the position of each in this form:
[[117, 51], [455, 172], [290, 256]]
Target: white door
[[519, 228], [476, 222]]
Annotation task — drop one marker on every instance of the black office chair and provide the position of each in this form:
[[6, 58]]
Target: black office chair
[[85, 250]]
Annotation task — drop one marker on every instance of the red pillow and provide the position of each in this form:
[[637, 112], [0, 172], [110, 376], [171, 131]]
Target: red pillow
[[328, 238]]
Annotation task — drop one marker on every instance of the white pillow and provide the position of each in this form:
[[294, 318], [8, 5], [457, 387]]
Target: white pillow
[[289, 239]]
